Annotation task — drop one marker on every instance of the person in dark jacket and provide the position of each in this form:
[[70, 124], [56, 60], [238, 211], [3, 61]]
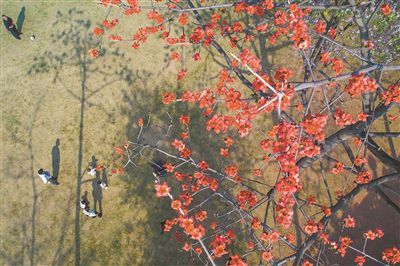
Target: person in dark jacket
[[10, 26]]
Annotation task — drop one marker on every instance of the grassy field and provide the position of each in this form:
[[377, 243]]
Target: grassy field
[[51, 90]]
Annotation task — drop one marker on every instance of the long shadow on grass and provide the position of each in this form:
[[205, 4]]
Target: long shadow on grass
[[73, 32], [34, 190]]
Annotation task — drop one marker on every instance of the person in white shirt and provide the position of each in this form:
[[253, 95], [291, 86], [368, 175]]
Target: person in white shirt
[[47, 178], [83, 204], [102, 184], [91, 171], [91, 213]]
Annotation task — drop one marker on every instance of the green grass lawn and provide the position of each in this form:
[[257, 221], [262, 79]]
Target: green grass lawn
[[50, 90]]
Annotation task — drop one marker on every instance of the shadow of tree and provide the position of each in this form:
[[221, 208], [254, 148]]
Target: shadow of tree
[[73, 31]]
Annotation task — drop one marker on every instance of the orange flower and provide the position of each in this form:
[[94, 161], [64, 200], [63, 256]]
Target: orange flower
[[198, 250], [255, 223], [98, 31], [175, 204], [231, 170], [186, 247], [196, 56], [320, 27], [174, 56], [385, 9], [94, 53], [140, 122], [359, 260], [162, 190], [183, 19], [219, 251], [181, 75], [223, 152], [266, 255], [184, 120], [168, 167], [349, 222]]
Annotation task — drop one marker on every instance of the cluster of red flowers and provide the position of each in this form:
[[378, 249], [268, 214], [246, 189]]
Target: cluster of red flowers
[[313, 125], [391, 255], [372, 235], [359, 84], [391, 95], [246, 197], [342, 118], [363, 177]]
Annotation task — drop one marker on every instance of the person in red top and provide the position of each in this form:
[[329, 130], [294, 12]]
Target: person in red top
[[10, 26]]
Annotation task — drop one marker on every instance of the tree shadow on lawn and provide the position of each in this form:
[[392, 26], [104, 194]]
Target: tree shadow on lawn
[[73, 33], [139, 181]]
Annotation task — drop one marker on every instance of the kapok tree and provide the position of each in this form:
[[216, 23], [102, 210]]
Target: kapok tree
[[327, 107]]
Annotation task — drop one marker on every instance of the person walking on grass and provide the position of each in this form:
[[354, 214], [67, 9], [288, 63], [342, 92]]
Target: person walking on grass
[[47, 178], [10, 26]]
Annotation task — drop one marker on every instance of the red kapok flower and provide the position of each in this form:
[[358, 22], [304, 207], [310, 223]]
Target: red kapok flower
[[98, 31], [266, 255], [176, 204], [349, 222], [359, 260], [168, 167], [162, 190], [140, 122], [168, 97], [186, 247], [181, 75], [94, 53], [385, 9], [183, 19]]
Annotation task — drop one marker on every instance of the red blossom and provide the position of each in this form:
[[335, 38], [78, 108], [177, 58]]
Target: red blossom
[[94, 53], [98, 31], [176, 204], [162, 190], [320, 27], [311, 227], [181, 75], [386, 9], [349, 222], [363, 177], [223, 152], [391, 255], [183, 19], [168, 97], [236, 260], [391, 95], [255, 223], [231, 170], [266, 255], [168, 167], [196, 56], [337, 66], [342, 118]]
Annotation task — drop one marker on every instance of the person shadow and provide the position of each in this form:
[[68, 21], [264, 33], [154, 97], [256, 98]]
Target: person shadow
[[97, 195], [20, 20], [104, 176], [93, 163], [55, 158]]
